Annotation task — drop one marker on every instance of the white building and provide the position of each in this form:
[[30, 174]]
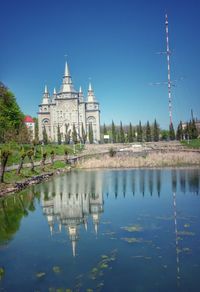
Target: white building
[[30, 124], [66, 109]]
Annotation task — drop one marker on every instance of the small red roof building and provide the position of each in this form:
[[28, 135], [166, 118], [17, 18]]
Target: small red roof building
[[28, 119]]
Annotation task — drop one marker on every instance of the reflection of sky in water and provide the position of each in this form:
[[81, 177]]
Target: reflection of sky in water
[[106, 230]]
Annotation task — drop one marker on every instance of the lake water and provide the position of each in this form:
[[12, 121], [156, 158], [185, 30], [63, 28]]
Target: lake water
[[103, 230]]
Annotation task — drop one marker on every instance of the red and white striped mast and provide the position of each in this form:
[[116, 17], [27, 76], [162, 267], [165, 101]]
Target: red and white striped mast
[[168, 52]]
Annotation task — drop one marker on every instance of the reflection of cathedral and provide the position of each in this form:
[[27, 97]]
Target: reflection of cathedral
[[69, 201]]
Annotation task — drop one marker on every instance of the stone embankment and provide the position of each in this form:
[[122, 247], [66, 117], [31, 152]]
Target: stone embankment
[[18, 186]]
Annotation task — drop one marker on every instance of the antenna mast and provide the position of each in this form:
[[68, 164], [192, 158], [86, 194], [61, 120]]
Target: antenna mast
[[168, 52]]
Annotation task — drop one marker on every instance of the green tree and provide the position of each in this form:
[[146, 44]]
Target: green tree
[[91, 137], [67, 134], [164, 135], [30, 154], [11, 117], [44, 156], [148, 132], [179, 132], [44, 135], [52, 154], [105, 131], [4, 154], [121, 134], [84, 134], [139, 132], [130, 133], [114, 134], [22, 157], [59, 135], [171, 132], [156, 131], [193, 129], [74, 135], [36, 138]]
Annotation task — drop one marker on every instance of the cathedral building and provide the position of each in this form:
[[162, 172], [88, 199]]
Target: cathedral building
[[68, 109]]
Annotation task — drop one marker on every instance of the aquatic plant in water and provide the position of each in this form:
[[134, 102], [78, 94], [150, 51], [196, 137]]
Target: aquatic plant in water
[[132, 228]]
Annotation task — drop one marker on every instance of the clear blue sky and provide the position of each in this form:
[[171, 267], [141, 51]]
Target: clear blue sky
[[114, 43]]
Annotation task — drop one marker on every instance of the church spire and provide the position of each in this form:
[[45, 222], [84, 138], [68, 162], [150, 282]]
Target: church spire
[[67, 85], [80, 94], [46, 97], [91, 96], [67, 73]]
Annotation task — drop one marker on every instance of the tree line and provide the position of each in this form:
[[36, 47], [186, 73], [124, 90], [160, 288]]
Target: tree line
[[148, 132]]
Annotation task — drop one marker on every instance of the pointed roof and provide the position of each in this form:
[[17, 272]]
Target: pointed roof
[[91, 96], [90, 87], [46, 96], [67, 73], [54, 91], [67, 85], [45, 89]]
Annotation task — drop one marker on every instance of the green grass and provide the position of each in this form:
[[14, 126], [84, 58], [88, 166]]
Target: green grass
[[12, 177], [192, 143], [14, 158]]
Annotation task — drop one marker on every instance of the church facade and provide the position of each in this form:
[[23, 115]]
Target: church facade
[[68, 109]]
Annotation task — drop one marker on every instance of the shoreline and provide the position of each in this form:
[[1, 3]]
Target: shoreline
[[33, 180], [155, 160]]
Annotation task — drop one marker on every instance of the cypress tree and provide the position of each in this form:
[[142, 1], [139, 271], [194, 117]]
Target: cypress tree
[[105, 132], [155, 131], [194, 132], [121, 134], [59, 135], [84, 135], [179, 132], [74, 135], [67, 134], [130, 134], [186, 131], [148, 132], [45, 137], [139, 132], [171, 132], [114, 134], [91, 137]]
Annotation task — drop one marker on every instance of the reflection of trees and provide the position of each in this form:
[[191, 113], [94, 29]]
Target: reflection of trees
[[142, 181], [12, 210], [174, 180], [158, 181], [150, 176], [193, 181], [133, 182], [124, 183], [182, 181], [116, 183]]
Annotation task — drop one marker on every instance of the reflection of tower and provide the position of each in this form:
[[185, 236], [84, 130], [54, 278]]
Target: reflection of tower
[[68, 202], [176, 239], [73, 235], [96, 208]]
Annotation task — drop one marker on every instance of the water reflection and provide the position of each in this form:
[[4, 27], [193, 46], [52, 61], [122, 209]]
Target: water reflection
[[69, 201], [150, 217], [12, 210]]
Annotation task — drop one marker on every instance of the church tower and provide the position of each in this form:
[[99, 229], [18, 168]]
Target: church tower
[[67, 109], [93, 114]]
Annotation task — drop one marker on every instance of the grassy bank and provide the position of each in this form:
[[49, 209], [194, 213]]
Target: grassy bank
[[59, 150], [195, 144], [168, 159], [11, 177]]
